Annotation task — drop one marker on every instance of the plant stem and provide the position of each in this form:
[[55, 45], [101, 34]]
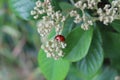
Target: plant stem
[[72, 2]]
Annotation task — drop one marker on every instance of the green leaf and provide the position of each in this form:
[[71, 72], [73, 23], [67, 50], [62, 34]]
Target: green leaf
[[111, 44], [78, 43], [106, 73], [52, 34], [73, 74], [55, 4], [90, 64], [116, 25], [22, 8], [53, 69], [115, 63], [112, 48], [68, 25], [111, 41]]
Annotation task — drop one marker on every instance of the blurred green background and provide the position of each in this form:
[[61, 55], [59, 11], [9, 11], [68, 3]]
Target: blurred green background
[[19, 45]]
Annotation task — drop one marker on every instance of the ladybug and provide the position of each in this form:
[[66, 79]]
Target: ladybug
[[60, 38]]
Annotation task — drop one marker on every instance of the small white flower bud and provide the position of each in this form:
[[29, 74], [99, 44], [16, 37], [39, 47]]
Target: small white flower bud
[[36, 17], [38, 4], [73, 13], [33, 12]]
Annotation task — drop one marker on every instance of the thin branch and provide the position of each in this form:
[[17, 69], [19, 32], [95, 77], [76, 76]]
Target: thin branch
[[72, 2]]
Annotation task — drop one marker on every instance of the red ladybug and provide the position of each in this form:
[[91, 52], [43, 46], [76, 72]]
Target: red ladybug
[[60, 38]]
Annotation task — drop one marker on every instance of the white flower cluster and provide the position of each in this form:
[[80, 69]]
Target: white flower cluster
[[51, 20], [42, 8], [53, 48], [89, 4], [108, 14], [44, 29], [85, 19]]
